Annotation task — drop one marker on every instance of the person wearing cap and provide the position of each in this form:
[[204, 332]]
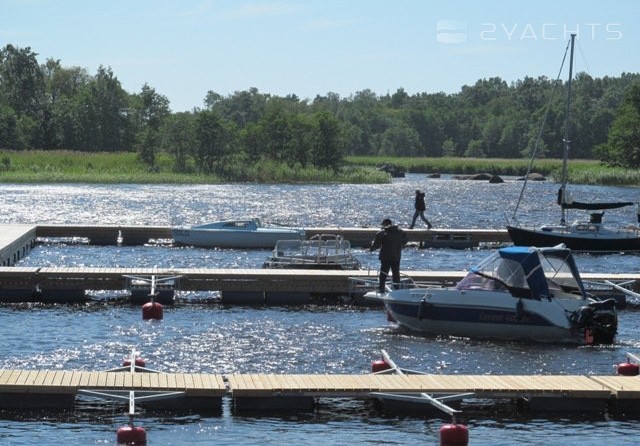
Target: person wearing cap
[[390, 240], [420, 207]]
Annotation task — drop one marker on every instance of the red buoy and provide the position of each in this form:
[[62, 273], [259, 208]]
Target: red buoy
[[139, 362], [131, 435], [628, 369], [379, 365], [152, 310], [454, 435]]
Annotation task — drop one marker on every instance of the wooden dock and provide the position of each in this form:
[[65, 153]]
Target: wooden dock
[[236, 285], [15, 242], [21, 389], [358, 237]]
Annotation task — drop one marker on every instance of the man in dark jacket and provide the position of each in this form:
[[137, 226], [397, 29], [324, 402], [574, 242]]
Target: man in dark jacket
[[420, 207], [390, 240]]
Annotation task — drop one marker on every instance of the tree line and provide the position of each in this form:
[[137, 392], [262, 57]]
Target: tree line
[[51, 107]]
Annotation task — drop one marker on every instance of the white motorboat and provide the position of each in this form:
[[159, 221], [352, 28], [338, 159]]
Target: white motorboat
[[517, 293], [248, 233], [322, 251]]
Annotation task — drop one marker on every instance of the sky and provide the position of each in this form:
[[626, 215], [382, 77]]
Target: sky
[[185, 48]]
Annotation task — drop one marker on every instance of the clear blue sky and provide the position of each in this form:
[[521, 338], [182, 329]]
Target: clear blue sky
[[308, 47]]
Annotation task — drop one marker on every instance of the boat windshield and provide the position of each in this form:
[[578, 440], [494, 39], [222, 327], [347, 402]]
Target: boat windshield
[[525, 272]]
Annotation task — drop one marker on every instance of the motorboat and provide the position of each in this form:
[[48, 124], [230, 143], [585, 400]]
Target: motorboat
[[516, 293], [581, 235], [322, 251], [249, 233]]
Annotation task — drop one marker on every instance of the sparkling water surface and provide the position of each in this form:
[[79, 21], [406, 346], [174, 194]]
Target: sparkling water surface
[[213, 338]]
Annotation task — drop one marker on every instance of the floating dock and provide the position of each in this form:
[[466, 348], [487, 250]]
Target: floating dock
[[358, 237], [275, 286], [36, 389]]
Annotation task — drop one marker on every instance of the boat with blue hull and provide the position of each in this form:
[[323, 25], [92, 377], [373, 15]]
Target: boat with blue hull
[[516, 293]]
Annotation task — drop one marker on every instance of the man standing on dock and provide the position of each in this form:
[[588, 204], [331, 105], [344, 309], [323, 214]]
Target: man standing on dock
[[390, 240], [420, 207]]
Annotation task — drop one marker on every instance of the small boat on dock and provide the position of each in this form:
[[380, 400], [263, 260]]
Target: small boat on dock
[[322, 251], [248, 233], [516, 293]]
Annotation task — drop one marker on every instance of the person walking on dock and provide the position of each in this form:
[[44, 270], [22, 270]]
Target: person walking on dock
[[420, 207], [390, 240]]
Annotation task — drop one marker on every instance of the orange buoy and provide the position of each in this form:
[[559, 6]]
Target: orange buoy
[[379, 365], [628, 369], [131, 435], [139, 362], [152, 310], [454, 435]]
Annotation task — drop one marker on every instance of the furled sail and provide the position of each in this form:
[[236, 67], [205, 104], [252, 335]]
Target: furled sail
[[568, 203]]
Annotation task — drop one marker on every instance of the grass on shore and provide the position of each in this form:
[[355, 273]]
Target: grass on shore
[[124, 167]]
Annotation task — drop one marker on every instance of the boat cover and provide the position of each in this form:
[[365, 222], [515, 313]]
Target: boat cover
[[525, 270]]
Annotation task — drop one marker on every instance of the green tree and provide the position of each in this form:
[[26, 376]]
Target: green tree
[[624, 136], [178, 138], [400, 140], [21, 80], [327, 148], [212, 138], [8, 128], [62, 128]]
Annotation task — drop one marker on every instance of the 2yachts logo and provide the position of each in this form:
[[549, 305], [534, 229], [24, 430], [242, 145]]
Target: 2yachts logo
[[457, 31]]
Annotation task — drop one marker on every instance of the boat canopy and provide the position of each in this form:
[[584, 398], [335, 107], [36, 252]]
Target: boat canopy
[[527, 272]]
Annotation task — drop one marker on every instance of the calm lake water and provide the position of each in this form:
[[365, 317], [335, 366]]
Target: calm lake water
[[314, 339]]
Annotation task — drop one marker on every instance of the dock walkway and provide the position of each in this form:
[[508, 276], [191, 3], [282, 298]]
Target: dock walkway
[[236, 285], [59, 388]]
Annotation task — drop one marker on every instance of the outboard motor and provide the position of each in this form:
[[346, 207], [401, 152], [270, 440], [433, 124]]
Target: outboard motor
[[600, 318]]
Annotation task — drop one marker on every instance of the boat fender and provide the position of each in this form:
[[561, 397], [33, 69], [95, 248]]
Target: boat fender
[[519, 310], [423, 308]]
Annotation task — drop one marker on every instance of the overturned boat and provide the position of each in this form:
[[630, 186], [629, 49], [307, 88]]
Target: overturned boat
[[517, 293]]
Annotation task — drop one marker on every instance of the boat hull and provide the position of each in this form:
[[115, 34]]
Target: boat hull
[[575, 242], [482, 315], [232, 239]]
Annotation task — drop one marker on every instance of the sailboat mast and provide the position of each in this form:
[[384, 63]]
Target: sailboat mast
[[567, 142]]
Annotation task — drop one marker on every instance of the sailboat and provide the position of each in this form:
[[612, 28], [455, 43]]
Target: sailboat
[[581, 235]]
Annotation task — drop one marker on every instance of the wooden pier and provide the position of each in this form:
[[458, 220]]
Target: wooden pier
[[21, 389], [358, 237], [236, 285], [15, 242]]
